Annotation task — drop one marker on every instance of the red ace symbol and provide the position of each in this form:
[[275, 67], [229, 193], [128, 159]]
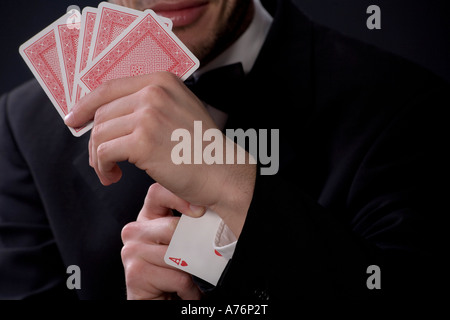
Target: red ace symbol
[[178, 260]]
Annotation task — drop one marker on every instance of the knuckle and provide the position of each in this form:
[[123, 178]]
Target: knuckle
[[99, 115], [102, 151], [154, 100], [154, 190], [130, 254], [147, 115], [153, 93], [133, 269], [125, 253], [129, 231], [96, 131]]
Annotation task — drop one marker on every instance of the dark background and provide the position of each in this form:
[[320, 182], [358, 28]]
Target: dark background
[[418, 30]]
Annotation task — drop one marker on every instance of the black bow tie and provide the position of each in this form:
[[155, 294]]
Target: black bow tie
[[219, 87]]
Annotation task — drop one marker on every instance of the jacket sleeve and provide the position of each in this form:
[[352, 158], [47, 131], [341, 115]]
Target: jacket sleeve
[[29, 263], [392, 217]]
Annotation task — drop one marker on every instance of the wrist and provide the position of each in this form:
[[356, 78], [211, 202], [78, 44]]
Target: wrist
[[236, 196]]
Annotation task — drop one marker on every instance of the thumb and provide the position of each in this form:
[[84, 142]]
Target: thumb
[[160, 202]]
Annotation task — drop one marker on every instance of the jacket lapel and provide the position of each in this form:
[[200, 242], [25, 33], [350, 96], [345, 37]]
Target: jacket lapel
[[278, 93]]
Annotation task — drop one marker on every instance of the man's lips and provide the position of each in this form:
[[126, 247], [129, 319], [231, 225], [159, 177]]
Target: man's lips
[[182, 13]]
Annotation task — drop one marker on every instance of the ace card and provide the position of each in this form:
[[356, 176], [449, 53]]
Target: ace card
[[192, 247]]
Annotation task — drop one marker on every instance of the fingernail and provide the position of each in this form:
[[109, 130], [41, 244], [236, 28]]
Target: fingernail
[[196, 210], [68, 118]]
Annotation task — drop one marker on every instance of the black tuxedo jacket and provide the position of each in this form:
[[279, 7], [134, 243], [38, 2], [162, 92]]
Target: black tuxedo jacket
[[362, 181]]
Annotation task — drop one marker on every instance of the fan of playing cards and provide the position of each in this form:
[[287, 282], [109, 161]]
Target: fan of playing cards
[[78, 52]]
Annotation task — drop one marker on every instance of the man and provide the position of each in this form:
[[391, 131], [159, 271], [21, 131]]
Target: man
[[359, 180]]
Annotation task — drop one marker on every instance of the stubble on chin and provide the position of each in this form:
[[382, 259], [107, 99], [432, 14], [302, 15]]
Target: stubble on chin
[[236, 20]]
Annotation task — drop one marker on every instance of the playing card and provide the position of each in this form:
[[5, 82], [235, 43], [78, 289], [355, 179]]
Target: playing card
[[192, 247], [88, 27], [111, 21], [166, 22], [88, 17], [67, 34], [60, 55], [146, 46], [41, 56]]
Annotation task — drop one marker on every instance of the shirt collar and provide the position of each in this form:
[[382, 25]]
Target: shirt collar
[[248, 45]]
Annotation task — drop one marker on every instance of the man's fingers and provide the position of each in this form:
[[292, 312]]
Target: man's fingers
[[109, 91], [108, 154], [148, 281], [157, 231], [115, 109], [107, 131], [159, 200], [147, 274]]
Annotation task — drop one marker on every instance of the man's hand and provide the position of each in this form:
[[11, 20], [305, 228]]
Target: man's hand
[[145, 244], [134, 119]]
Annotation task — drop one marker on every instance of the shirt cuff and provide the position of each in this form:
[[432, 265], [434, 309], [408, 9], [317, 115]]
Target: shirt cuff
[[225, 241]]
